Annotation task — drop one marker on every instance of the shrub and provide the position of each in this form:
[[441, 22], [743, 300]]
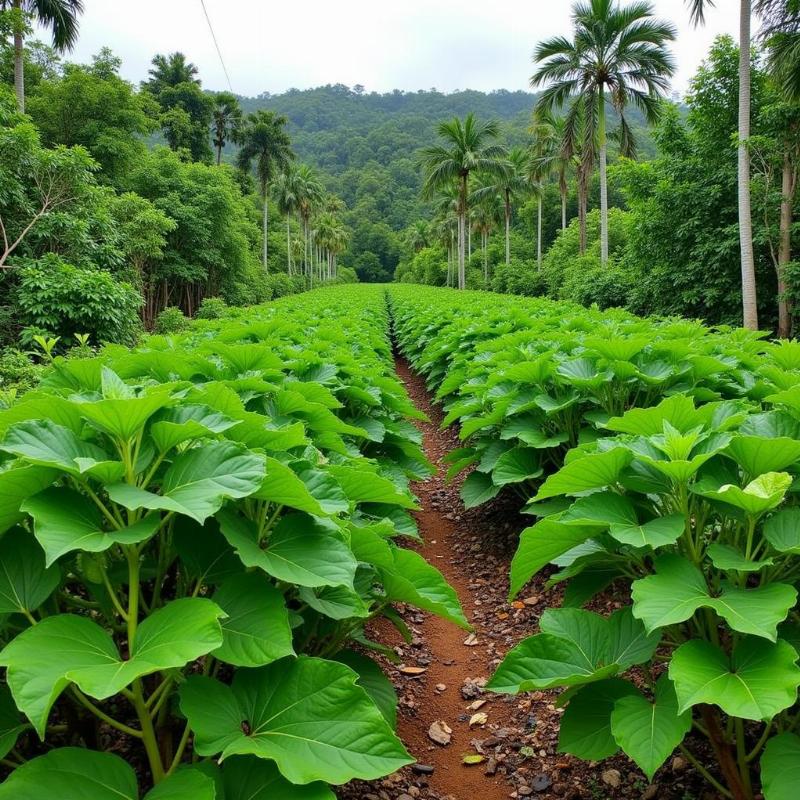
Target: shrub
[[62, 299], [17, 371], [212, 308], [171, 320]]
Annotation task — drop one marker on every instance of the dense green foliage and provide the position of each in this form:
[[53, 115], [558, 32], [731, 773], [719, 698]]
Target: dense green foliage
[[193, 532], [660, 458]]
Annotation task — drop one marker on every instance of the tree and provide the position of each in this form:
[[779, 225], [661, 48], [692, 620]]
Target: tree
[[780, 31], [93, 107], [468, 146], [617, 54], [226, 120], [266, 144], [309, 195], [749, 300], [170, 71], [551, 153], [61, 16], [488, 210], [287, 193]]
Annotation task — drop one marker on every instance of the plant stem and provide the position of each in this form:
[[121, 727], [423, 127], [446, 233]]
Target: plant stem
[[705, 773], [181, 749], [148, 733], [100, 714]]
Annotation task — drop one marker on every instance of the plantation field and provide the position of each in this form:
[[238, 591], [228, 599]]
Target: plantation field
[[233, 558]]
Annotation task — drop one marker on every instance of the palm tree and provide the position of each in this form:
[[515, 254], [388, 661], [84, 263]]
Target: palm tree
[[264, 141], [287, 194], [488, 210], [617, 54], [780, 31], [554, 153], [468, 146], [226, 120], [59, 15], [418, 235], [309, 195], [697, 10], [170, 71]]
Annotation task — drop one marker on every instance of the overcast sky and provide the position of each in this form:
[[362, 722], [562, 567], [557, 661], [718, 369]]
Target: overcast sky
[[273, 45]]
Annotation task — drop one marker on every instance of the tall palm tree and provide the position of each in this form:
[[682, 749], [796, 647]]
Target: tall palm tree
[[617, 54], [780, 31], [697, 9], [61, 16], [553, 153], [309, 195], [226, 120], [287, 194], [488, 211], [467, 147], [264, 141], [418, 235], [170, 71]]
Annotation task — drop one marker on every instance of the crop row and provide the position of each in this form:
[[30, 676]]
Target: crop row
[[193, 532], [661, 460]]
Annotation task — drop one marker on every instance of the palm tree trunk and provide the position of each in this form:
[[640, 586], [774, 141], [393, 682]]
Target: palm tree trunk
[[485, 244], [583, 202], [602, 144], [785, 246], [219, 154], [508, 228], [288, 246], [19, 57], [539, 233], [563, 187], [265, 192], [462, 243], [749, 305]]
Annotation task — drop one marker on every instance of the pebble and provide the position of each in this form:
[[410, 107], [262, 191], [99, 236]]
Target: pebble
[[423, 769], [612, 778]]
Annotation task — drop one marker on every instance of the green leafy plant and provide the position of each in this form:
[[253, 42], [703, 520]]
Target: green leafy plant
[[171, 320], [194, 535]]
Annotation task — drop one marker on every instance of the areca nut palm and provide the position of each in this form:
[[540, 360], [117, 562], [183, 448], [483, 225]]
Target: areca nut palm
[[61, 16], [288, 187], [697, 9], [467, 147], [309, 195], [553, 152], [266, 143], [488, 211], [226, 120], [618, 54]]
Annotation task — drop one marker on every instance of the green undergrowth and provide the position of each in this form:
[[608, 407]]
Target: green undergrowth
[[194, 534], [660, 460]]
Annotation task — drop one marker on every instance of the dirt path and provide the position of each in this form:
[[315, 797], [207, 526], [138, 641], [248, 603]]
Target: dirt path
[[453, 664]]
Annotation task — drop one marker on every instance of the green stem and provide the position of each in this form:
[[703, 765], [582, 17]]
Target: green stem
[[705, 773], [100, 714], [148, 733], [741, 757], [181, 749]]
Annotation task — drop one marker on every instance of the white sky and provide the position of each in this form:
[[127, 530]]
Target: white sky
[[273, 45]]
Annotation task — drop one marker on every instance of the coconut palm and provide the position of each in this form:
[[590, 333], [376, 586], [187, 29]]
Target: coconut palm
[[287, 193], [264, 142], [226, 120], [617, 54], [697, 9], [467, 147], [61, 16]]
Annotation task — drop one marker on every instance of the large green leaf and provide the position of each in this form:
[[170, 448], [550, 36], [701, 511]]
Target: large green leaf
[[478, 488], [25, 580], [780, 767], [759, 496], [251, 778], [72, 773], [199, 481], [757, 454], [650, 732], [585, 728], [45, 443], [65, 649], [256, 629], [413, 580], [591, 471], [679, 588], [756, 682], [11, 723], [658, 532], [124, 417], [183, 423], [283, 487], [543, 542], [727, 557], [363, 486], [517, 465], [607, 508], [18, 484], [306, 714], [373, 681], [65, 521], [301, 550], [782, 530]]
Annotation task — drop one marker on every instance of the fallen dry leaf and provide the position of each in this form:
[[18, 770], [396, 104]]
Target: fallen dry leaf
[[476, 705], [478, 719], [473, 758], [413, 670], [439, 732], [471, 640]]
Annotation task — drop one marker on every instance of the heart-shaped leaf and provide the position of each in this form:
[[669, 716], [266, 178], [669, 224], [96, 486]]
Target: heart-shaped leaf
[[306, 714], [251, 778], [780, 767], [25, 580]]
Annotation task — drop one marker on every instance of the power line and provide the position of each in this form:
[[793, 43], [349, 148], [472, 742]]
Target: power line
[[216, 44]]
